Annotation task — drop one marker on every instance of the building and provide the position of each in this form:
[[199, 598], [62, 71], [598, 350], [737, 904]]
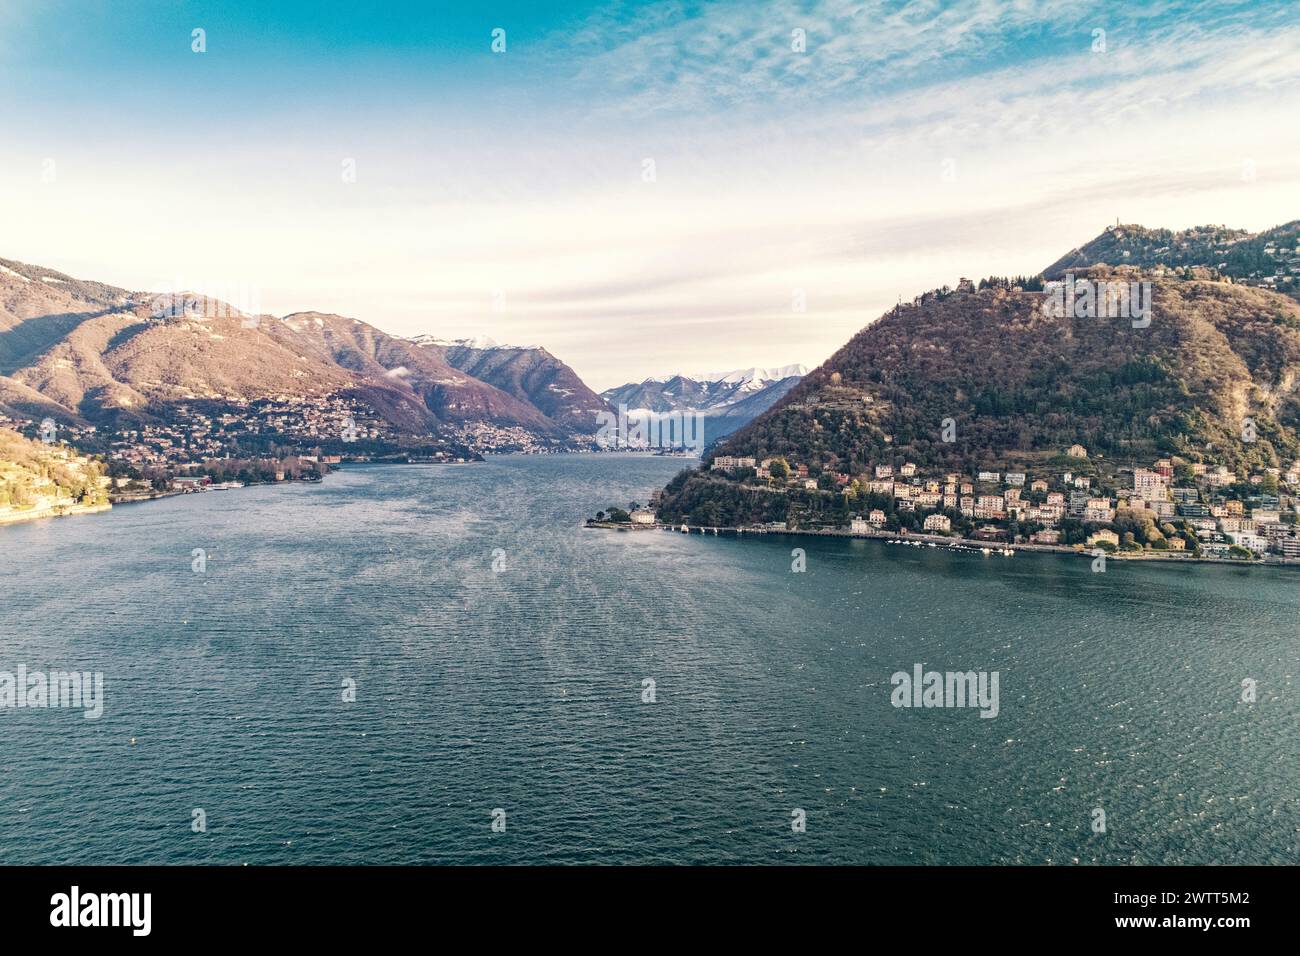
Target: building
[[908, 470], [728, 463], [643, 516], [1248, 539], [1289, 547], [1105, 534], [1016, 478], [1046, 536], [1037, 485], [1220, 477], [1099, 510], [991, 477], [859, 525], [1077, 451], [938, 523], [1150, 485], [876, 518]]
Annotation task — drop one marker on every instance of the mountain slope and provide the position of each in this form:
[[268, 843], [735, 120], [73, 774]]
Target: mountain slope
[[387, 361], [729, 400], [531, 374], [1019, 386], [1269, 259], [727, 419], [87, 352]]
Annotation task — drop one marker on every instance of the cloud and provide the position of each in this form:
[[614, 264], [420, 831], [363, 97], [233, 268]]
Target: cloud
[[913, 143]]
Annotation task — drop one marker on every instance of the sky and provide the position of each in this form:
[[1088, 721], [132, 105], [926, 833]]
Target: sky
[[642, 188]]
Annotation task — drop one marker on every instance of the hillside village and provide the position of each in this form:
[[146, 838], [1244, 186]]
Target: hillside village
[[45, 481], [1072, 501]]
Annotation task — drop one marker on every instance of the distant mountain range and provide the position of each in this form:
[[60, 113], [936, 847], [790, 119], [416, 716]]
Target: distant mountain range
[[729, 400], [1214, 377], [89, 352], [92, 354]]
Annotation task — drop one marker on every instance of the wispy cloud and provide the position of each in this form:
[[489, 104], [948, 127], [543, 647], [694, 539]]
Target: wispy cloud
[[911, 143]]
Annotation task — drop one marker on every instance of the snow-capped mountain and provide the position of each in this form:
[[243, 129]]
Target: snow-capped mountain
[[729, 399], [753, 379], [480, 342]]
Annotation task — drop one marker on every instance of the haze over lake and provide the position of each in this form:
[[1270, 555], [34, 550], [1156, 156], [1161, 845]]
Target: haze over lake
[[521, 689]]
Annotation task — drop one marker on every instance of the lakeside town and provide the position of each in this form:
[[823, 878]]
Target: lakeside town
[[193, 432], [219, 445], [1170, 509]]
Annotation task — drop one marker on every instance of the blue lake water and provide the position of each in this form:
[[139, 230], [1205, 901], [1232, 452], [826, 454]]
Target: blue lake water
[[521, 689]]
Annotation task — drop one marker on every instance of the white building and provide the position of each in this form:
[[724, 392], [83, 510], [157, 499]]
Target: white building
[[938, 523]]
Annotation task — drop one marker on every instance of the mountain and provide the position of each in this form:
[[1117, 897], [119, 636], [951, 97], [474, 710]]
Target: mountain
[[529, 373], [729, 400], [1017, 386], [1269, 259], [86, 352]]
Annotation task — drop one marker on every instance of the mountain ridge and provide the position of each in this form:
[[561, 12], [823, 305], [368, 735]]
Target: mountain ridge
[[88, 352], [728, 400]]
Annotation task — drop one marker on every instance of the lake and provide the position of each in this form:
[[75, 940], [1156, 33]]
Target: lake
[[499, 655]]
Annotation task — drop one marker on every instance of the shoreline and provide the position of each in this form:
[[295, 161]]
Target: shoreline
[[53, 511], [940, 542], [14, 517]]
